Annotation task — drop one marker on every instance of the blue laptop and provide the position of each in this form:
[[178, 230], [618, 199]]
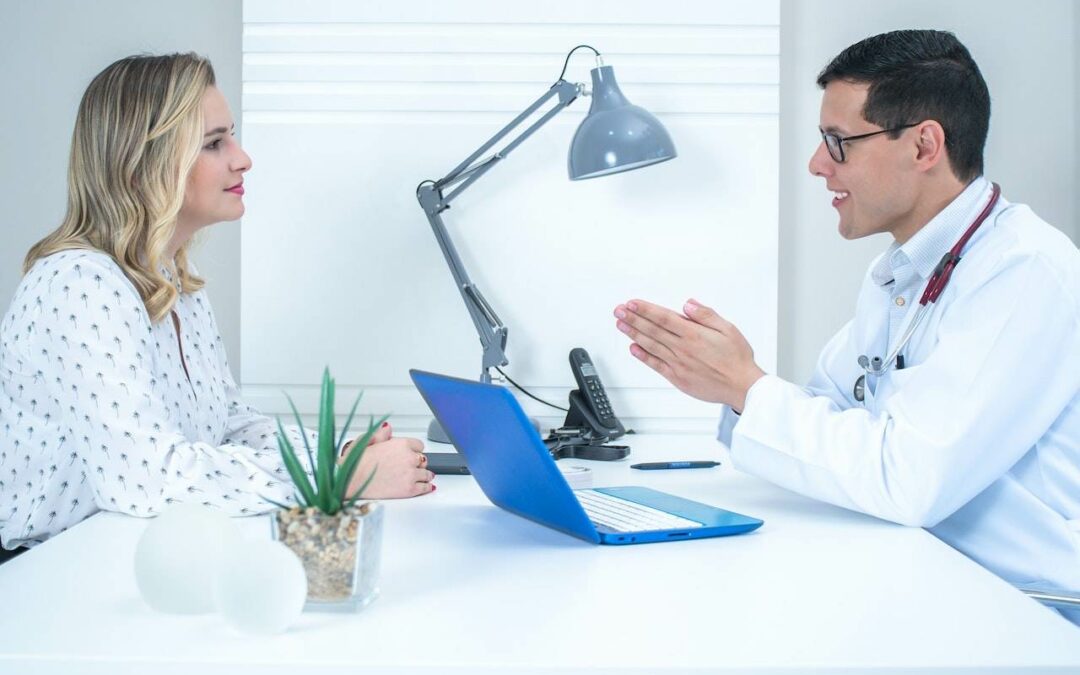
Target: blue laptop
[[517, 473]]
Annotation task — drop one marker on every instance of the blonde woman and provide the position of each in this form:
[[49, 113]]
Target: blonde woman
[[115, 391]]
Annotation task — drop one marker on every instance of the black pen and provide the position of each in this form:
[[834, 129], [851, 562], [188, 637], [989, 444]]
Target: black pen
[[649, 466]]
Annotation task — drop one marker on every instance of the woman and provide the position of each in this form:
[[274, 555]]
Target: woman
[[116, 393]]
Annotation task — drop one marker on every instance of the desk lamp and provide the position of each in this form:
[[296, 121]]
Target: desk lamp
[[615, 136]]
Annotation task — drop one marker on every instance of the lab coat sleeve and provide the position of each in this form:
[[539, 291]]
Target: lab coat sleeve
[[821, 384], [134, 453], [1003, 369]]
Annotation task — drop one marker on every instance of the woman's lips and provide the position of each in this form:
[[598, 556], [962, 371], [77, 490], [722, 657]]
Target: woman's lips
[[237, 189]]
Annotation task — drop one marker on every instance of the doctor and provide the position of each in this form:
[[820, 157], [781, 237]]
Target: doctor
[[962, 415]]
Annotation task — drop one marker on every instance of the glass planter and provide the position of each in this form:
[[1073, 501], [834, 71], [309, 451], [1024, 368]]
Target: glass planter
[[340, 553]]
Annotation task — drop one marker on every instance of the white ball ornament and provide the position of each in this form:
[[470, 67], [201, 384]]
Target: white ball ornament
[[178, 557], [261, 587]]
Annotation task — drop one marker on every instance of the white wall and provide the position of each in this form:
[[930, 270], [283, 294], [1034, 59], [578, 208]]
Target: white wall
[[49, 52], [348, 106], [1028, 54]]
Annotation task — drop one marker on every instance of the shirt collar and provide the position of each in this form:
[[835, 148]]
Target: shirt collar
[[924, 250]]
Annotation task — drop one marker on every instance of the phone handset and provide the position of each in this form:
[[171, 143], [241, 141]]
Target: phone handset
[[589, 404]]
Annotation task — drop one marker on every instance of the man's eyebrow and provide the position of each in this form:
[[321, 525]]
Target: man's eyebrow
[[219, 130], [832, 129]]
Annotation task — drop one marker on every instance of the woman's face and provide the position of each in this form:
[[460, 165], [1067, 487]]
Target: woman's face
[[215, 186]]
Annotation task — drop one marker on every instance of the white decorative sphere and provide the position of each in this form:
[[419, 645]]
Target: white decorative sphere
[[178, 556], [261, 587]]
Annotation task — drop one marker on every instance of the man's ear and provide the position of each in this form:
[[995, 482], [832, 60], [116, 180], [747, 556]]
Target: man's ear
[[929, 145]]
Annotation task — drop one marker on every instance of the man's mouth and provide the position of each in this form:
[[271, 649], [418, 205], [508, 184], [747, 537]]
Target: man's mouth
[[839, 196]]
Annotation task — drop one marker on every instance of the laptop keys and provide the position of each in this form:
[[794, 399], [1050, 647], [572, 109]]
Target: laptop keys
[[622, 515]]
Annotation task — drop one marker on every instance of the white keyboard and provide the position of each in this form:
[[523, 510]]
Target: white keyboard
[[621, 515]]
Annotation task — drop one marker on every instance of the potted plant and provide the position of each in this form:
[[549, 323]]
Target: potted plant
[[337, 540]]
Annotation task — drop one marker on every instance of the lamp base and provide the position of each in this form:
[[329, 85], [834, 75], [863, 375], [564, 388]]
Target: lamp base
[[436, 434]]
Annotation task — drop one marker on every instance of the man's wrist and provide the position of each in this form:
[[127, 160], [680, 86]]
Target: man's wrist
[[740, 405]]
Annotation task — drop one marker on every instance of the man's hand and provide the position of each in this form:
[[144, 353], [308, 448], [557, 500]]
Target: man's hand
[[700, 353]]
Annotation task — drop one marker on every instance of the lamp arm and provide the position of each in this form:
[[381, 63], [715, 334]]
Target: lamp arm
[[566, 92], [490, 328]]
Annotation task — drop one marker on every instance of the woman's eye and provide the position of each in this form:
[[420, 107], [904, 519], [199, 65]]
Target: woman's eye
[[213, 145]]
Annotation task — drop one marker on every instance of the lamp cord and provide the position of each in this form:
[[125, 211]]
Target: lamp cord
[[567, 62], [524, 391]]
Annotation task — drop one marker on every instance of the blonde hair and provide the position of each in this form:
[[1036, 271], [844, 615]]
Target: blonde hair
[[137, 136]]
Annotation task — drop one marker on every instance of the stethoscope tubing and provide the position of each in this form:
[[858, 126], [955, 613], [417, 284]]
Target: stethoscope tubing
[[934, 287]]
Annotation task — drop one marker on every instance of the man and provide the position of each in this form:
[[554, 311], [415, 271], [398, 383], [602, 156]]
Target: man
[[972, 429]]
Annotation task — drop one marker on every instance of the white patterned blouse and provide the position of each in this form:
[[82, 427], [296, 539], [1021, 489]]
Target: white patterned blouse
[[102, 409]]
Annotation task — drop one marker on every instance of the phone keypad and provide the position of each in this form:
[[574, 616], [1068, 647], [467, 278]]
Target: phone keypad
[[599, 397]]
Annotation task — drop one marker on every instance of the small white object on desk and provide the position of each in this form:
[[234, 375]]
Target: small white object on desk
[[261, 587], [178, 556], [579, 477]]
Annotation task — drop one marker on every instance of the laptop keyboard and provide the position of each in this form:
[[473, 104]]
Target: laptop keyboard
[[621, 515]]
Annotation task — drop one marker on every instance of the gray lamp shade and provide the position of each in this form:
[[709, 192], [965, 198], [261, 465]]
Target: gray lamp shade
[[616, 135]]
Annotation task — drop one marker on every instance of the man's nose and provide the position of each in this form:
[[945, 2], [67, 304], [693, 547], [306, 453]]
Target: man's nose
[[821, 163]]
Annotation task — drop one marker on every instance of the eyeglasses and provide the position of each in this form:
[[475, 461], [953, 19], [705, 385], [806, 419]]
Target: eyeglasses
[[835, 143]]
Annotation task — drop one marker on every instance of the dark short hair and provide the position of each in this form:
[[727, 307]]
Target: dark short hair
[[917, 75]]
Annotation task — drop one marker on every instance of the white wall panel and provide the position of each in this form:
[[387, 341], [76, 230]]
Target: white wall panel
[[347, 106]]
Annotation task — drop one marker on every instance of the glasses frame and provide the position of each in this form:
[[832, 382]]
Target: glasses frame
[[838, 140]]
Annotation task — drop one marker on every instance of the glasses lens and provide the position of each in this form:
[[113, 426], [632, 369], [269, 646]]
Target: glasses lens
[[836, 151]]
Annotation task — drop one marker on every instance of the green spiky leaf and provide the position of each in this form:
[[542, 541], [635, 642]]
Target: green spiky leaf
[[295, 469], [348, 421], [327, 487], [324, 474], [363, 487], [303, 433]]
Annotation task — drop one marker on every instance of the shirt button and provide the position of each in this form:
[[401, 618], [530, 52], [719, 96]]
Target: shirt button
[[900, 301]]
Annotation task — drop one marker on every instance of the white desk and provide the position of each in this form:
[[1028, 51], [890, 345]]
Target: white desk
[[467, 588]]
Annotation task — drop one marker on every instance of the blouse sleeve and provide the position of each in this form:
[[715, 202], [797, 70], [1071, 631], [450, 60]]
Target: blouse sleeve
[[135, 454]]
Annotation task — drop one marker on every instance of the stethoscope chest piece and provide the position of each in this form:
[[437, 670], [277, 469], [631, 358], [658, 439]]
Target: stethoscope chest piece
[[860, 389]]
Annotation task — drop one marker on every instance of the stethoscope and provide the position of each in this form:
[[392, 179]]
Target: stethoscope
[[876, 366]]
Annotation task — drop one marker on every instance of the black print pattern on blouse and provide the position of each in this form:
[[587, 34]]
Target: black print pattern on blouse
[[97, 411]]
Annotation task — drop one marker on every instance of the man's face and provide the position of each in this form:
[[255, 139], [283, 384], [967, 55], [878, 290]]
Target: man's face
[[873, 188]]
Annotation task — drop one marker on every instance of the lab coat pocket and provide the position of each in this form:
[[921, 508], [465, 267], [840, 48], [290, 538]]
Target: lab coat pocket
[[895, 382]]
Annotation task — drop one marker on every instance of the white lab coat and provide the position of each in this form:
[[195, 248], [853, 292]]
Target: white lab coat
[[978, 438]]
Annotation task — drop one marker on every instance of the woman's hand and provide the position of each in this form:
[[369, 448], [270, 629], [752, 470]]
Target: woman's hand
[[399, 464]]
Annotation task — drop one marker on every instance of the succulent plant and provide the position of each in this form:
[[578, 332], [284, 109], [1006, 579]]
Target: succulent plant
[[331, 480]]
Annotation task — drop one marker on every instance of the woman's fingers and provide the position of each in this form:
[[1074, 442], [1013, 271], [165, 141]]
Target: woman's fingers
[[384, 433]]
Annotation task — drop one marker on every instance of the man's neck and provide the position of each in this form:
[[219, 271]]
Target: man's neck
[[928, 204]]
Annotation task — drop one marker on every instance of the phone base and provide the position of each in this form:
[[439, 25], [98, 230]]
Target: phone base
[[581, 415], [603, 453]]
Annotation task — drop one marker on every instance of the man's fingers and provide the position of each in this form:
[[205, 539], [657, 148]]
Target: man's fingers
[[651, 361], [706, 316], [649, 317], [650, 344]]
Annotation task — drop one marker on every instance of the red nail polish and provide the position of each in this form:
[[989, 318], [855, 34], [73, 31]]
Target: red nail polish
[[434, 487], [386, 424]]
